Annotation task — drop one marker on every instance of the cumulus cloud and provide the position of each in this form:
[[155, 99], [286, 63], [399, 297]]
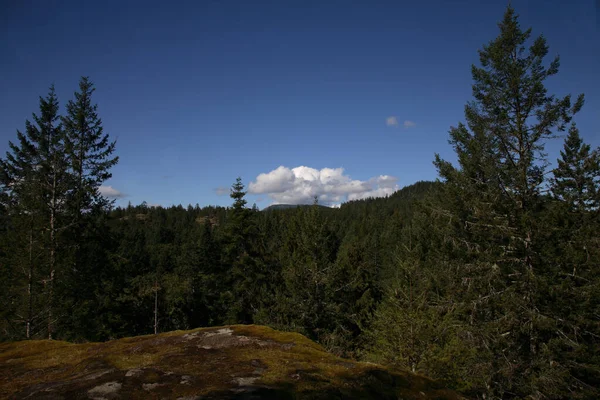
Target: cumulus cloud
[[221, 191], [277, 181], [391, 121], [409, 124], [331, 186], [111, 192]]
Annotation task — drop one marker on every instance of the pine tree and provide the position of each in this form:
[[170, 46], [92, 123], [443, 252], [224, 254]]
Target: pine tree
[[493, 202]]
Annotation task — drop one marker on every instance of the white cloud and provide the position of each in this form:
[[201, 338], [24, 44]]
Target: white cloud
[[391, 121], [385, 181], [111, 192], [221, 191], [301, 184], [409, 124], [278, 180]]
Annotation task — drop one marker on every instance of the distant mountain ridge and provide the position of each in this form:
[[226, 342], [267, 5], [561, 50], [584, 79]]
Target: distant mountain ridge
[[288, 206], [406, 194]]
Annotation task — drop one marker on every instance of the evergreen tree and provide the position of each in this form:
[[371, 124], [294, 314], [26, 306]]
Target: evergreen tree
[[577, 176], [572, 235], [417, 326], [89, 152], [36, 183], [495, 198], [309, 275], [207, 310], [239, 225], [89, 149], [357, 286], [242, 259]]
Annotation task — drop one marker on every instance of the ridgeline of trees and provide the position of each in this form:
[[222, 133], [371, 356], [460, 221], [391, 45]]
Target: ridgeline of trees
[[487, 280]]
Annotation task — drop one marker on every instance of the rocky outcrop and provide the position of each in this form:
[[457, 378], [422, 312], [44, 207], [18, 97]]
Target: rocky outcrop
[[233, 362]]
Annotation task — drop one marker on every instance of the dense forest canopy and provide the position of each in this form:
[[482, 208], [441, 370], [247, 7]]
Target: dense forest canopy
[[487, 279]]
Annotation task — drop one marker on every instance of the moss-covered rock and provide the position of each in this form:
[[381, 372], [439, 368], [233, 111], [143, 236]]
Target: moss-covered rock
[[233, 362]]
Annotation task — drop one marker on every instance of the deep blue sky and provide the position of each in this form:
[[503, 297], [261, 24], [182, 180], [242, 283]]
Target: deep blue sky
[[197, 93]]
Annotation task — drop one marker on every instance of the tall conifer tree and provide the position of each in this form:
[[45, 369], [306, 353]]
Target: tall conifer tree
[[36, 178], [89, 149], [577, 175], [495, 197], [242, 259]]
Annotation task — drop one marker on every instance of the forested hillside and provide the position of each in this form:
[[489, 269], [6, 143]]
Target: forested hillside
[[487, 280]]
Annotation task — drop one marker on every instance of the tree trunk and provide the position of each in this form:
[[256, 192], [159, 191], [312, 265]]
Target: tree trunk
[[50, 295], [52, 260], [30, 284], [155, 306]]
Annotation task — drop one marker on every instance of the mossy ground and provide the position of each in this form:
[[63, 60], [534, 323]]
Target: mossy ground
[[240, 361]]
